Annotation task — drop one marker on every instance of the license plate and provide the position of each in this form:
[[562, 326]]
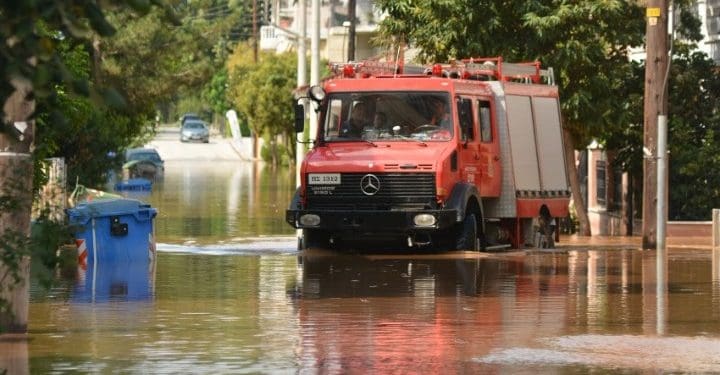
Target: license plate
[[324, 179]]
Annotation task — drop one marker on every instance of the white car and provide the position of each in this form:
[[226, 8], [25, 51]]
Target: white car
[[194, 131]]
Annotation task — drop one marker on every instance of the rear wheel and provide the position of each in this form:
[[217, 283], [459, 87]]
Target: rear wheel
[[467, 234]]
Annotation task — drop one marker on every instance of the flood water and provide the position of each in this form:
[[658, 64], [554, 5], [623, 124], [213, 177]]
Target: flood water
[[228, 293]]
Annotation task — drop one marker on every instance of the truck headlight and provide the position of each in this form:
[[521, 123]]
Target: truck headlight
[[310, 220], [424, 220]]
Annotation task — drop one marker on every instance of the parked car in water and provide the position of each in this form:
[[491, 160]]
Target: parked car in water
[[194, 131], [143, 162]]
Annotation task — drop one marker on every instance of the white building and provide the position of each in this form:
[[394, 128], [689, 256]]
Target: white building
[[282, 34], [708, 11]]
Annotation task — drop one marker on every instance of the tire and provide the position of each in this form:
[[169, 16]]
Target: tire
[[467, 234], [314, 238]]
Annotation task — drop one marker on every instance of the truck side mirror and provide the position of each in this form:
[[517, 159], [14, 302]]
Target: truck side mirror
[[299, 118]]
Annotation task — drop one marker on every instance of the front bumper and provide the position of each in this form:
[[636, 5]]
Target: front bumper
[[194, 137], [385, 222]]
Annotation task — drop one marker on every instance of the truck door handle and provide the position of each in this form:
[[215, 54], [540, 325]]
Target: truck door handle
[[496, 158]]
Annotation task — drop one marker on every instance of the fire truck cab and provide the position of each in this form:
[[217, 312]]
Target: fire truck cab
[[455, 156]]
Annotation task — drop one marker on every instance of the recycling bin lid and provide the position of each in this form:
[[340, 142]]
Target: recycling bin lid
[[85, 211]]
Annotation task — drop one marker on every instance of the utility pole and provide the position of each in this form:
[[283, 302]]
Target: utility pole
[[255, 31], [314, 60], [351, 31], [301, 81], [655, 105]]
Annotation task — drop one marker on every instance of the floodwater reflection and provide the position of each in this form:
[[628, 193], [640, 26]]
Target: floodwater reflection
[[117, 281], [228, 293], [254, 309], [550, 311], [201, 202]]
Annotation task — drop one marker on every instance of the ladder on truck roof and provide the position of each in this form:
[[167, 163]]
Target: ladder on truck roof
[[504, 71], [476, 68]]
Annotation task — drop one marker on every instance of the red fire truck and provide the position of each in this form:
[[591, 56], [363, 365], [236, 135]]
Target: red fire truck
[[455, 156]]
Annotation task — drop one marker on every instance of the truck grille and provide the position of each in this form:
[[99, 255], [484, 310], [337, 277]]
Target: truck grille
[[398, 191]]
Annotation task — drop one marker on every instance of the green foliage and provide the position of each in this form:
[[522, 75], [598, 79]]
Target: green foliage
[[280, 156], [693, 134], [47, 236], [585, 43], [694, 137], [32, 55], [97, 130], [194, 55], [46, 44], [14, 245], [191, 103], [215, 93], [148, 60], [263, 93], [13, 248]]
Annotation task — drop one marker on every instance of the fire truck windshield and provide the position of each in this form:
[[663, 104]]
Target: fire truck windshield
[[371, 116]]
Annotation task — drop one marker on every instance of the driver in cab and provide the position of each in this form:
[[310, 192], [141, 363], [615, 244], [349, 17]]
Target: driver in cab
[[440, 114], [353, 128]]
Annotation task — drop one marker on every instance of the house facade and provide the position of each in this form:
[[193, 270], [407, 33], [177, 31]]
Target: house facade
[[283, 32], [708, 11]]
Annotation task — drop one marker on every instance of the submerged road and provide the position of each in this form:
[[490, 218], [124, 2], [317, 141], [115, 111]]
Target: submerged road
[[167, 142]]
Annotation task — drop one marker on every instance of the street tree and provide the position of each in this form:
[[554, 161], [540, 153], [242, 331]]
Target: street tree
[[147, 61], [31, 68], [263, 94], [694, 137], [693, 134]]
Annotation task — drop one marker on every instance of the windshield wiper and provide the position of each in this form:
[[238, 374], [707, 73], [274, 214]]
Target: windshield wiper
[[369, 142], [409, 139], [396, 135], [339, 139]]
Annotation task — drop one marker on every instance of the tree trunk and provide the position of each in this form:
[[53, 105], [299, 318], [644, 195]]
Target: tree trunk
[[16, 176], [274, 153], [571, 167], [256, 146]]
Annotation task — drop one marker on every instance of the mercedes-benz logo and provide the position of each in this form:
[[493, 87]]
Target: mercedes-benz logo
[[370, 184]]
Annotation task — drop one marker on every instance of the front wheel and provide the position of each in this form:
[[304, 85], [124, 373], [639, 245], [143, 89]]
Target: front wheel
[[467, 234], [314, 238]]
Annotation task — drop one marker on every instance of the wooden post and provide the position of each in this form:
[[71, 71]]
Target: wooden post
[[715, 227], [16, 176], [351, 32], [656, 61]]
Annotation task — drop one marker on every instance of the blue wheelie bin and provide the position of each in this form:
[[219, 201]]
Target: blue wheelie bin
[[114, 230]]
